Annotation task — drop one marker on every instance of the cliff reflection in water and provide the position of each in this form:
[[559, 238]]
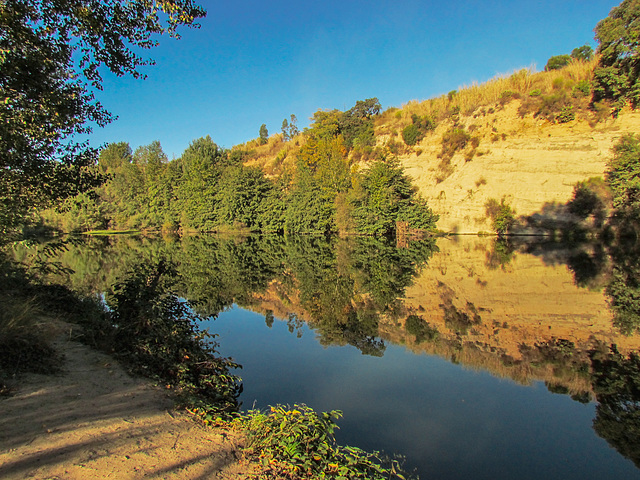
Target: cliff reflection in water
[[525, 311]]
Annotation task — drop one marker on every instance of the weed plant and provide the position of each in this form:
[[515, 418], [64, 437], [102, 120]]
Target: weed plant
[[24, 338], [298, 443]]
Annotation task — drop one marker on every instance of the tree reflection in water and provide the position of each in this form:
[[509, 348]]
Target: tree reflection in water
[[343, 286], [616, 383]]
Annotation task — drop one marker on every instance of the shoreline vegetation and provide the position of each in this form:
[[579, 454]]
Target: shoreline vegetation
[[153, 333]]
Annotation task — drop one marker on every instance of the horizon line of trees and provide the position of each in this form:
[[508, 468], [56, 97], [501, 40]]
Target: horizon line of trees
[[209, 189]]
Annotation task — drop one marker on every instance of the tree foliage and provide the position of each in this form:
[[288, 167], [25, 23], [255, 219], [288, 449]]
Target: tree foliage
[[616, 76], [263, 134], [209, 189], [384, 196], [289, 128], [583, 53], [556, 62], [501, 214], [623, 174], [64, 45]]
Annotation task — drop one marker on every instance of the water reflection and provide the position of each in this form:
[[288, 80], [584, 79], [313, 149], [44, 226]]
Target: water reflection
[[527, 311]]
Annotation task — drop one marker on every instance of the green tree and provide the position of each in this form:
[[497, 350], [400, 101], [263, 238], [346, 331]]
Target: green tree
[[623, 174], [616, 76], [584, 53], [293, 126], [240, 193], [155, 198], [113, 156], [383, 196], [201, 166], [264, 134], [63, 44], [557, 62]]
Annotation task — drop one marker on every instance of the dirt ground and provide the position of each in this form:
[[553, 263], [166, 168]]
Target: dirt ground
[[94, 421]]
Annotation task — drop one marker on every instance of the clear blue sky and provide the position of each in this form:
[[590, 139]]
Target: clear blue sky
[[255, 62]]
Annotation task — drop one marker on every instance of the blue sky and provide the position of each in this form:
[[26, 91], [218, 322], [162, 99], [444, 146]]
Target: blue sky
[[255, 62]]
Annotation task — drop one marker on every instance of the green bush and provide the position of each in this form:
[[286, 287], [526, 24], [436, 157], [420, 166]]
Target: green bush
[[501, 214], [590, 197], [581, 89], [566, 114], [557, 62], [584, 53], [551, 105], [297, 443], [417, 326], [411, 134]]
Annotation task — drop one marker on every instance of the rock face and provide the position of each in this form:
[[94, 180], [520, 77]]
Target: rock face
[[531, 163]]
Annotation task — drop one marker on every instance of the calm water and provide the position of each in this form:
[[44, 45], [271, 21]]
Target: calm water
[[472, 358], [449, 421]]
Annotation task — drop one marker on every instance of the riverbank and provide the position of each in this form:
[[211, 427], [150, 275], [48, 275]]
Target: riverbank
[[95, 421]]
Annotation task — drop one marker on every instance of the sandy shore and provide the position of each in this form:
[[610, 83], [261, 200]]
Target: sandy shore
[[94, 421]]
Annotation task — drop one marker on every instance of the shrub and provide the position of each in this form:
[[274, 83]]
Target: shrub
[[411, 134], [551, 105], [535, 93], [454, 139], [590, 197], [481, 181], [581, 89], [566, 114], [556, 62], [298, 443], [507, 95], [501, 214], [417, 326], [445, 169], [584, 53]]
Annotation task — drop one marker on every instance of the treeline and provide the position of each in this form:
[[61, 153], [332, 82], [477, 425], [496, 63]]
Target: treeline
[[209, 189]]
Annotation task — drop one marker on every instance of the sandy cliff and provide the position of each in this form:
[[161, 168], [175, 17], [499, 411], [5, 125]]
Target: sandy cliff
[[531, 163]]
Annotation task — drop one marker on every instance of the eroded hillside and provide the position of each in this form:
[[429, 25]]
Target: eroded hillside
[[532, 163], [527, 138]]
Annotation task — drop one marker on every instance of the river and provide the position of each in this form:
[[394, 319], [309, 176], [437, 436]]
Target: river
[[472, 357]]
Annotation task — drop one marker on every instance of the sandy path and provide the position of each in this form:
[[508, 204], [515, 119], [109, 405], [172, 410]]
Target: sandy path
[[94, 421]]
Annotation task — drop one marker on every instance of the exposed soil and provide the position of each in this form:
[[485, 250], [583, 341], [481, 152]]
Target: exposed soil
[[94, 421]]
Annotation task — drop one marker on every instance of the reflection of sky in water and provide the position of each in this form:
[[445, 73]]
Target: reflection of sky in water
[[449, 421]]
